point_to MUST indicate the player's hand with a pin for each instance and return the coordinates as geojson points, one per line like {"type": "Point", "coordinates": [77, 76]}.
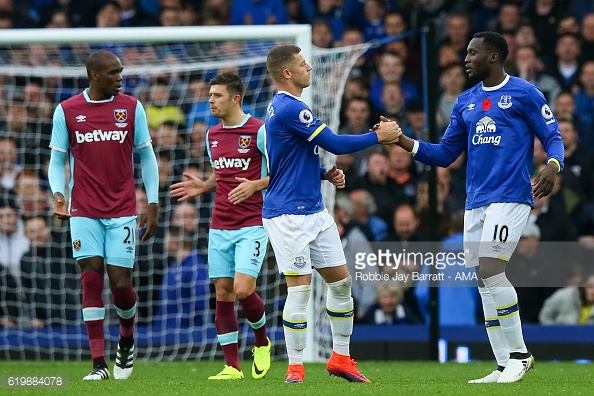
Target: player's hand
{"type": "Point", "coordinates": [388, 132]}
{"type": "Point", "coordinates": [150, 219]}
{"type": "Point", "coordinates": [335, 176]}
{"type": "Point", "coordinates": [243, 191]}
{"type": "Point", "coordinates": [192, 187]}
{"type": "Point", "coordinates": [61, 207]}
{"type": "Point", "coordinates": [545, 181]}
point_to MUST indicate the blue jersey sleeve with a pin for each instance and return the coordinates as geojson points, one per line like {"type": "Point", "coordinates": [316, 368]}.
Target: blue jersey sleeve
{"type": "Point", "coordinates": [451, 146]}
{"type": "Point", "coordinates": [302, 122]}
{"type": "Point", "coordinates": [142, 137]}
{"type": "Point", "coordinates": [59, 140]}
{"type": "Point", "coordinates": [545, 126]}
{"type": "Point", "coordinates": [55, 172]}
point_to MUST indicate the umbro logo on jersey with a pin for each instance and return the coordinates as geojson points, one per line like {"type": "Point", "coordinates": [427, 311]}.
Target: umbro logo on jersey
{"type": "Point", "coordinates": [214, 143]}
{"type": "Point", "coordinates": [470, 107]}
{"type": "Point", "coordinates": [81, 118]}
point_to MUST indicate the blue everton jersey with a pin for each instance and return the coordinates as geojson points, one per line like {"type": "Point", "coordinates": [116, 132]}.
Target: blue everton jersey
{"type": "Point", "coordinates": [497, 126]}
{"type": "Point", "coordinates": [293, 160]}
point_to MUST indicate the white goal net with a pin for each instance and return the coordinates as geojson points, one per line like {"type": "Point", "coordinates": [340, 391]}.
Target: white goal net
{"type": "Point", "coordinates": [168, 70]}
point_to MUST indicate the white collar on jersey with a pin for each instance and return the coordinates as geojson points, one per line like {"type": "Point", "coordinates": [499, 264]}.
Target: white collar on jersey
{"type": "Point", "coordinates": [286, 93]}
{"type": "Point", "coordinates": [505, 80]}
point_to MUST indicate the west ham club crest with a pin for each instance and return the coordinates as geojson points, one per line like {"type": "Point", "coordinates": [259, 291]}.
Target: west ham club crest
{"type": "Point", "coordinates": [121, 115]}
{"type": "Point", "coordinates": [244, 142]}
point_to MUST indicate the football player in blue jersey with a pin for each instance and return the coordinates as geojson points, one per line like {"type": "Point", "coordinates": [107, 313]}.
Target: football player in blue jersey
{"type": "Point", "coordinates": [302, 232]}
{"type": "Point", "coordinates": [496, 121]}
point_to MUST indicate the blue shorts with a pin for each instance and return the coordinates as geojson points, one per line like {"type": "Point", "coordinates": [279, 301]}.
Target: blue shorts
{"type": "Point", "coordinates": [231, 251]}
{"type": "Point", "coordinates": [112, 239]}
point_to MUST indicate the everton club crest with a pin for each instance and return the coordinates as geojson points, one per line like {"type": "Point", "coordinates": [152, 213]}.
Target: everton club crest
{"type": "Point", "coordinates": [505, 102]}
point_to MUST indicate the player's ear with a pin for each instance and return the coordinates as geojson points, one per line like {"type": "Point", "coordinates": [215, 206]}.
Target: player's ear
{"type": "Point", "coordinates": [286, 74]}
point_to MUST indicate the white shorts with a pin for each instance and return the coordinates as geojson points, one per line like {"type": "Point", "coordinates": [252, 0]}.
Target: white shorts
{"type": "Point", "coordinates": [303, 242]}
{"type": "Point", "coordinates": [493, 230]}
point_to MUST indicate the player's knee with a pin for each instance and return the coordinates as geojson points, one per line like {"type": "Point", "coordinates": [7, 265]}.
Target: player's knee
{"type": "Point", "coordinates": [120, 284]}
{"type": "Point", "coordinates": [341, 287]}
{"type": "Point", "coordinates": [225, 295]}
{"type": "Point", "coordinates": [243, 291]}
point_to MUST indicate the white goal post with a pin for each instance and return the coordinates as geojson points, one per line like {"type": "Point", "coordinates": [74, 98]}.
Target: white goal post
{"type": "Point", "coordinates": [330, 71]}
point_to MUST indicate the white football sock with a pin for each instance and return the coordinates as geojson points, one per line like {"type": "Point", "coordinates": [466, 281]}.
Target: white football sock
{"type": "Point", "coordinates": [339, 307]}
{"type": "Point", "coordinates": [506, 303]}
{"type": "Point", "coordinates": [494, 331]}
{"type": "Point", "coordinates": [295, 322]}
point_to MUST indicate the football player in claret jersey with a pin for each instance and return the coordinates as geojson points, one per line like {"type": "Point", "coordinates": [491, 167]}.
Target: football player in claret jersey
{"type": "Point", "coordinates": [302, 232]}
{"type": "Point", "coordinates": [100, 128]}
{"type": "Point", "coordinates": [496, 121]}
{"type": "Point", "coordinates": [237, 240]}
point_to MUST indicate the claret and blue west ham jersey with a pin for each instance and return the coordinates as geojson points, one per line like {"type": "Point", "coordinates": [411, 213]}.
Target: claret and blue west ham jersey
{"type": "Point", "coordinates": [101, 132]}
{"type": "Point", "coordinates": [294, 162]}
{"type": "Point", "coordinates": [497, 126]}
{"type": "Point", "coordinates": [236, 151]}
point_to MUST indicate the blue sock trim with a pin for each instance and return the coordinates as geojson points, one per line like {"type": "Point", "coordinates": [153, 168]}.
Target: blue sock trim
{"type": "Point", "coordinates": [258, 324]}
{"type": "Point", "coordinates": [228, 338]}
{"type": "Point", "coordinates": [126, 314]}
{"type": "Point", "coordinates": [93, 313]}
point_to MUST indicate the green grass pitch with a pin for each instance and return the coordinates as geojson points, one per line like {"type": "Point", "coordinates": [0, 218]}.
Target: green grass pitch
{"type": "Point", "coordinates": [388, 378]}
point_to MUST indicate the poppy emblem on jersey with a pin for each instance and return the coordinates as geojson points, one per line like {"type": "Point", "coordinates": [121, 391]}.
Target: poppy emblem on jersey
{"type": "Point", "coordinates": [299, 262]}
{"type": "Point", "coordinates": [505, 102]}
{"type": "Point", "coordinates": [76, 244]}
{"type": "Point", "coordinates": [121, 115]}
{"type": "Point", "coordinates": [487, 104]}
{"type": "Point", "coordinates": [244, 142]}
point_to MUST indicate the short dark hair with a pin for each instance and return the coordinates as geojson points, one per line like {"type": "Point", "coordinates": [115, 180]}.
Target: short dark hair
{"type": "Point", "coordinates": [495, 42]}
{"type": "Point", "coordinates": [232, 82]}
{"type": "Point", "coordinates": [96, 61]}
{"type": "Point", "coordinates": [279, 57]}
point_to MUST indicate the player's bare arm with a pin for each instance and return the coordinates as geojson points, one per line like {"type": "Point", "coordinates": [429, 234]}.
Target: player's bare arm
{"type": "Point", "coordinates": [545, 181]}
{"type": "Point", "coordinates": [335, 176]}
{"type": "Point", "coordinates": [388, 132]}
{"type": "Point", "coordinates": [193, 187]}
{"type": "Point", "coordinates": [61, 207]}
{"type": "Point", "coordinates": [247, 188]}
{"type": "Point", "coordinates": [149, 218]}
